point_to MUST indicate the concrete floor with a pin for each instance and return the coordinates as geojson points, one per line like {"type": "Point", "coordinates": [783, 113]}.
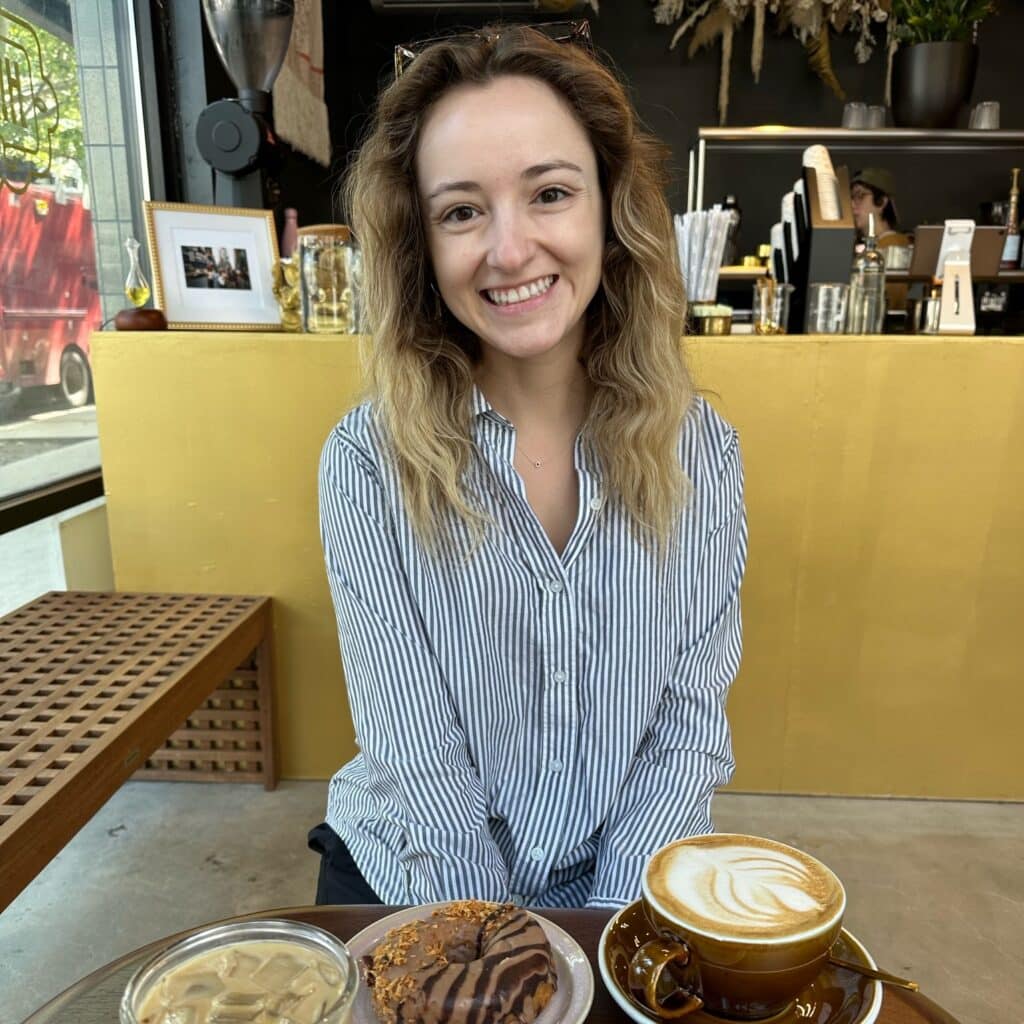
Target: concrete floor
{"type": "Point", "coordinates": [935, 890]}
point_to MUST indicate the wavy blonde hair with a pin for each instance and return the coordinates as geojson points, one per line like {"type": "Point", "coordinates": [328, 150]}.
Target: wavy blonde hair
{"type": "Point", "coordinates": [421, 361]}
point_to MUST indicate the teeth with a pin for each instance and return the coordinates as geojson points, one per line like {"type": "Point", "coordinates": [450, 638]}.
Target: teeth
{"type": "Point", "coordinates": [506, 296]}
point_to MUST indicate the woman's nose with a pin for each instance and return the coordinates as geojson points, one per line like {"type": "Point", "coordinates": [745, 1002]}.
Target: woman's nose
{"type": "Point", "coordinates": [510, 242]}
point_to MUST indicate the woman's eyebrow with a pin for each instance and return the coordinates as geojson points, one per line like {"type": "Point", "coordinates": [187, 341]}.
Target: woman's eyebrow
{"type": "Point", "coordinates": [551, 165]}
{"type": "Point", "coordinates": [531, 172]}
{"type": "Point", "coordinates": [454, 186]}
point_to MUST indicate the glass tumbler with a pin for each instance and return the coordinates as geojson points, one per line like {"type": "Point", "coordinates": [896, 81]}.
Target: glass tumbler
{"type": "Point", "coordinates": [855, 115]}
{"type": "Point", "coordinates": [826, 308]}
{"type": "Point", "coordinates": [328, 274]}
{"type": "Point", "coordinates": [229, 969]}
{"type": "Point", "coordinates": [985, 116]}
{"type": "Point", "coordinates": [771, 306]}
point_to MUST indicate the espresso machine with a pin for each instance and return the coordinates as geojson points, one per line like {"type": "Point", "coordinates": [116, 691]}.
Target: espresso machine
{"type": "Point", "coordinates": [236, 136]}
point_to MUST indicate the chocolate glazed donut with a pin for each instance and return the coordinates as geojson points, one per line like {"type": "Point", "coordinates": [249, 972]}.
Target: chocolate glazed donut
{"type": "Point", "coordinates": [469, 963]}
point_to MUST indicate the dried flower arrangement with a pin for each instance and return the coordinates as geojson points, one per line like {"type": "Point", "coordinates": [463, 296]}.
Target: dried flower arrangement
{"type": "Point", "coordinates": [811, 21]}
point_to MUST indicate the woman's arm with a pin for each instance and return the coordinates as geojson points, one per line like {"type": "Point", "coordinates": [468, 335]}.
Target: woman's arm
{"type": "Point", "coordinates": [413, 745]}
{"type": "Point", "coordinates": [686, 753]}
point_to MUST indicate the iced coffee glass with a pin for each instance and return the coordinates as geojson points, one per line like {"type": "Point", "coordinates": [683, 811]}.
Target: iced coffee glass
{"type": "Point", "coordinates": [251, 972]}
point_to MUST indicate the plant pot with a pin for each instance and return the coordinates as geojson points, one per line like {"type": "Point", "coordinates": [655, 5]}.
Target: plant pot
{"type": "Point", "coordinates": [931, 82]}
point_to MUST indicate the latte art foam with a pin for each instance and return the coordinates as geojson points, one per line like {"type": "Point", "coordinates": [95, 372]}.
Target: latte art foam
{"type": "Point", "coordinates": [742, 886]}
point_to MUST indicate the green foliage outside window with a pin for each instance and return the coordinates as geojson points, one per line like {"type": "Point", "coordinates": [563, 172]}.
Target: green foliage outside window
{"type": "Point", "coordinates": [60, 65]}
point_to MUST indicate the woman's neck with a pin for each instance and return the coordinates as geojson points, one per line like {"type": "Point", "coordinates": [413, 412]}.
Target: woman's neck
{"type": "Point", "coordinates": [539, 398]}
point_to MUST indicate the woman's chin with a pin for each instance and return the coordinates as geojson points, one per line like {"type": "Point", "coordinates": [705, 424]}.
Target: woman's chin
{"type": "Point", "coordinates": [530, 344]}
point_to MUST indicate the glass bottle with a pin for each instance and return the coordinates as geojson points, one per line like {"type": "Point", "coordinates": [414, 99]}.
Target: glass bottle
{"type": "Point", "coordinates": [730, 254]}
{"type": "Point", "coordinates": [1011, 247]}
{"type": "Point", "coordinates": [290, 233]}
{"type": "Point", "coordinates": [865, 310]}
{"type": "Point", "coordinates": [136, 287]}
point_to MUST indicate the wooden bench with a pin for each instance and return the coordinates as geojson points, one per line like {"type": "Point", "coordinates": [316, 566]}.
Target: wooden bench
{"type": "Point", "coordinates": [92, 684]}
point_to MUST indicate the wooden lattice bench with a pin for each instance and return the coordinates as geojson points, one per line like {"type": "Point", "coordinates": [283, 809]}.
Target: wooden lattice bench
{"type": "Point", "coordinates": [96, 687]}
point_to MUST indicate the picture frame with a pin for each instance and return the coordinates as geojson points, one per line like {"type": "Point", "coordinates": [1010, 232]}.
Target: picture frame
{"type": "Point", "coordinates": [212, 266]}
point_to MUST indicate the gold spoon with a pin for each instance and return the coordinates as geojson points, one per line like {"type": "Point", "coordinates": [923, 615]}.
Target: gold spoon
{"type": "Point", "coordinates": [871, 972]}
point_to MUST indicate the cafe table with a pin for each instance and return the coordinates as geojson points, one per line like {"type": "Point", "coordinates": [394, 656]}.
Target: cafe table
{"type": "Point", "coordinates": [95, 999]}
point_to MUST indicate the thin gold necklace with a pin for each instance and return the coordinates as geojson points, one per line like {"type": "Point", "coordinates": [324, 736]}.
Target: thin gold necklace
{"type": "Point", "coordinates": [536, 463]}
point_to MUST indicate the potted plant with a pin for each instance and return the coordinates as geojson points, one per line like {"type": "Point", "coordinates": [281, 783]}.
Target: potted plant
{"type": "Point", "coordinates": [934, 68]}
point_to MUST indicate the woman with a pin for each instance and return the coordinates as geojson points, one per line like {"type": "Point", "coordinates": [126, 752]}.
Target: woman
{"type": "Point", "coordinates": [534, 532]}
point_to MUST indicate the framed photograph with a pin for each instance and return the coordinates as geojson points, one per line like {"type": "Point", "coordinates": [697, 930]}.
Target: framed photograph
{"type": "Point", "coordinates": [212, 266]}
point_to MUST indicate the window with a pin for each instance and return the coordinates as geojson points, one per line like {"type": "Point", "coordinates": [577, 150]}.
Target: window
{"type": "Point", "coordinates": [71, 191]}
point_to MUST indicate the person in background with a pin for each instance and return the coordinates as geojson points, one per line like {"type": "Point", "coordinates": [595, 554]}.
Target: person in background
{"type": "Point", "coordinates": [534, 528]}
{"type": "Point", "coordinates": [872, 191]}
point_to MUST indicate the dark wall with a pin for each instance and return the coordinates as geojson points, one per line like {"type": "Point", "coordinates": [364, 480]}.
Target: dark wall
{"type": "Point", "coordinates": [674, 96]}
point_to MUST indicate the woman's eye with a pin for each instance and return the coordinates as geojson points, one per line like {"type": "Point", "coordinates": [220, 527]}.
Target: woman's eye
{"type": "Point", "coordinates": [459, 214]}
{"type": "Point", "coordinates": [552, 194]}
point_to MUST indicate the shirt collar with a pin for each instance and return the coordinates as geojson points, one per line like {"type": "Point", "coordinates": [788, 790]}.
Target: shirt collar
{"type": "Point", "coordinates": [482, 409]}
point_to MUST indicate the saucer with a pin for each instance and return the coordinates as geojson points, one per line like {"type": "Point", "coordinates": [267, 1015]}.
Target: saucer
{"type": "Point", "coordinates": [836, 995]}
{"type": "Point", "coordinates": [569, 1005]}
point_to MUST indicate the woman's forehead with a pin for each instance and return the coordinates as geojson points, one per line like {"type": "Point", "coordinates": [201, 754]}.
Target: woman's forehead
{"type": "Point", "coordinates": [509, 123]}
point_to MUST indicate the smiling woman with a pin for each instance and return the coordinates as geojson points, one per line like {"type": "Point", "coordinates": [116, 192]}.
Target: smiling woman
{"type": "Point", "coordinates": [534, 532]}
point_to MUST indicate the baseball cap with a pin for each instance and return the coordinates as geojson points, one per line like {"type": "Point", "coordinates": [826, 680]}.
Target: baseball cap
{"type": "Point", "coordinates": [876, 177]}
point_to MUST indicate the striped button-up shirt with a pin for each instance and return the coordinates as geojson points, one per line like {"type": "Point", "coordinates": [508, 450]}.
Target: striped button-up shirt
{"type": "Point", "coordinates": [531, 726]}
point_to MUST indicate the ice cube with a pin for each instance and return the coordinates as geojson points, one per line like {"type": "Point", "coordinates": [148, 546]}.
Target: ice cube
{"type": "Point", "coordinates": [234, 964]}
{"type": "Point", "coordinates": [310, 1010]}
{"type": "Point", "coordinates": [179, 1015]}
{"type": "Point", "coordinates": [234, 1014]}
{"type": "Point", "coordinates": [330, 973]}
{"type": "Point", "coordinates": [277, 972]}
{"type": "Point", "coordinates": [189, 986]}
{"type": "Point", "coordinates": [281, 1004]}
{"type": "Point", "coordinates": [306, 983]}
{"type": "Point", "coordinates": [240, 997]}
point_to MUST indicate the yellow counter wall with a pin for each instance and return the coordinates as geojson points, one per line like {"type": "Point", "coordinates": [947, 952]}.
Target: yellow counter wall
{"type": "Point", "coordinates": [884, 599]}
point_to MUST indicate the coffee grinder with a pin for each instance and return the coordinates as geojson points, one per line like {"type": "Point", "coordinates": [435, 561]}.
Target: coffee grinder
{"type": "Point", "coordinates": [235, 136]}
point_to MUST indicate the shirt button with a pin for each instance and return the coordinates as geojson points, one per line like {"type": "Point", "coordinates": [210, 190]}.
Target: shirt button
{"type": "Point", "coordinates": [596, 503]}
{"type": "Point", "coordinates": [537, 853]}
{"type": "Point", "coordinates": [559, 676]}
{"type": "Point", "coordinates": [555, 766]}
{"type": "Point", "coordinates": [517, 898]}
{"type": "Point", "coordinates": [555, 586]}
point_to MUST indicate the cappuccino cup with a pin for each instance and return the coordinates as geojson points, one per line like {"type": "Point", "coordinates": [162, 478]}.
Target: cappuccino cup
{"type": "Point", "coordinates": [743, 924]}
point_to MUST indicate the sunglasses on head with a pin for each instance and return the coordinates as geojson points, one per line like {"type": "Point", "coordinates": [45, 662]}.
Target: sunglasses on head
{"type": "Point", "coordinates": [575, 32]}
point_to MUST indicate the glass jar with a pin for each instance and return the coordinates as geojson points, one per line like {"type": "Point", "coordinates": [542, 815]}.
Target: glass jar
{"type": "Point", "coordinates": [328, 272]}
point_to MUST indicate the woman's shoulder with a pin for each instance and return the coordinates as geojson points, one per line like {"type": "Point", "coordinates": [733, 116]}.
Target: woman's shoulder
{"type": "Point", "coordinates": [707, 441]}
{"type": "Point", "coordinates": [354, 442]}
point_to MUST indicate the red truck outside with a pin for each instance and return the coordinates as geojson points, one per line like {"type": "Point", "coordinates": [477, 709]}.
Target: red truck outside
{"type": "Point", "coordinates": [49, 298]}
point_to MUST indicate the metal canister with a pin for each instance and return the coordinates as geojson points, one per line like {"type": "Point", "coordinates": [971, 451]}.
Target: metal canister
{"type": "Point", "coordinates": [329, 287]}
